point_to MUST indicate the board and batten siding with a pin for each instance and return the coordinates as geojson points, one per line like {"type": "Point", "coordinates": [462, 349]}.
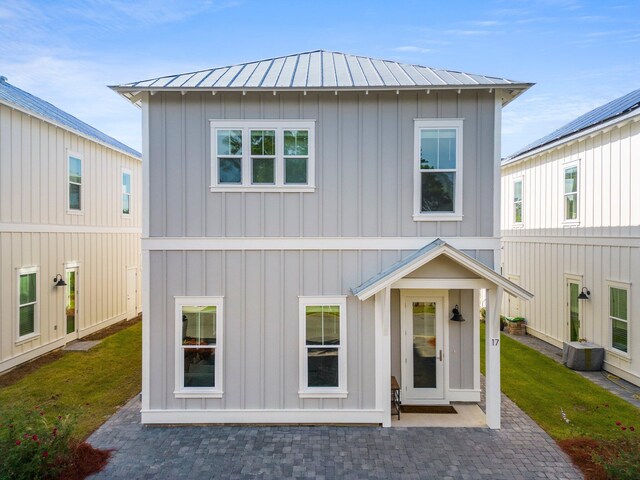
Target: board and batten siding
{"type": "Point", "coordinates": [602, 246]}
{"type": "Point", "coordinates": [37, 231]}
{"type": "Point", "coordinates": [364, 165]}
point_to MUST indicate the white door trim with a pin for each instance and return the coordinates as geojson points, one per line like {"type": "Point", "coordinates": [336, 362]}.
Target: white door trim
{"type": "Point", "coordinates": [69, 337]}
{"type": "Point", "coordinates": [573, 278]}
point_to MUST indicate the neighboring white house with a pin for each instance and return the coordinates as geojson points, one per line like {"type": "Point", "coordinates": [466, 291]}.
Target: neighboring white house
{"type": "Point", "coordinates": [70, 200]}
{"type": "Point", "coordinates": [571, 224]}
{"type": "Point", "coordinates": [310, 223]}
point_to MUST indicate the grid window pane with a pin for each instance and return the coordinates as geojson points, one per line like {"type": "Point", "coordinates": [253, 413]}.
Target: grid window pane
{"type": "Point", "coordinates": [295, 170]}
{"type": "Point", "coordinates": [199, 367]}
{"type": "Point", "coordinates": [27, 320]}
{"type": "Point", "coordinates": [619, 335]}
{"type": "Point", "coordinates": [230, 170]}
{"type": "Point", "coordinates": [126, 183]}
{"type": "Point", "coordinates": [518, 212]}
{"type": "Point", "coordinates": [263, 142]}
{"type": "Point", "coordinates": [296, 142]}
{"type": "Point", "coordinates": [618, 303]}
{"type": "Point", "coordinates": [322, 367]}
{"type": "Point", "coordinates": [263, 170]}
{"type": "Point", "coordinates": [199, 325]}
{"type": "Point", "coordinates": [438, 149]}
{"type": "Point", "coordinates": [27, 288]}
{"type": "Point", "coordinates": [571, 180]}
{"type": "Point", "coordinates": [323, 325]}
{"type": "Point", "coordinates": [75, 170]}
{"type": "Point", "coordinates": [125, 204]}
{"type": "Point", "coordinates": [517, 192]}
{"type": "Point", "coordinates": [74, 196]}
{"type": "Point", "coordinates": [229, 142]}
{"type": "Point", "coordinates": [438, 190]}
{"type": "Point", "coordinates": [571, 207]}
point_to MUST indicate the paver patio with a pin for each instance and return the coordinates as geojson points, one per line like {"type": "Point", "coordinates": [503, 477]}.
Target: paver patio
{"type": "Point", "coordinates": [520, 449]}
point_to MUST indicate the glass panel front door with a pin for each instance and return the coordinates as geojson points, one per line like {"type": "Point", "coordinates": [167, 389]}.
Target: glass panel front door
{"type": "Point", "coordinates": [424, 344]}
{"type": "Point", "coordinates": [71, 304]}
{"type": "Point", "coordinates": [574, 312]}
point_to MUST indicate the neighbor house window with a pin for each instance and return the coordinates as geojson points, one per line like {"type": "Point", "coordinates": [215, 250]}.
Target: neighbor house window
{"type": "Point", "coordinates": [571, 193]}
{"type": "Point", "coordinates": [619, 318]}
{"type": "Point", "coordinates": [27, 302]}
{"type": "Point", "coordinates": [517, 201]}
{"type": "Point", "coordinates": [199, 346]}
{"type": "Point", "coordinates": [262, 155]}
{"type": "Point", "coordinates": [438, 170]}
{"type": "Point", "coordinates": [74, 166]}
{"type": "Point", "coordinates": [126, 192]}
{"type": "Point", "coordinates": [323, 365]}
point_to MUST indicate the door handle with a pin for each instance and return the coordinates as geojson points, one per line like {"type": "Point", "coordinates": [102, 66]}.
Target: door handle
{"type": "Point", "coordinates": [440, 355]}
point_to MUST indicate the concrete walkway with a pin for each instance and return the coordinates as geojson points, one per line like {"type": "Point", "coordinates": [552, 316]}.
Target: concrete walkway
{"type": "Point", "coordinates": [606, 380]}
{"type": "Point", "coordinates": [520, 450]}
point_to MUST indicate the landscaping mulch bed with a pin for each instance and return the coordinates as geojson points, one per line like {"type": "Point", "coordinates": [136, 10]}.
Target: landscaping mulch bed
{"type": "Point", "coordinates": [580, 451]}
{"type": "Point", "coordinates": [86, 461]}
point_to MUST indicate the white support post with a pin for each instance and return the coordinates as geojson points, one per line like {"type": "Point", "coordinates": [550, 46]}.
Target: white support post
{"type": "Point", "coordinates": [492, 351]}
{"type": "Point", "coordinates": [383, 354]}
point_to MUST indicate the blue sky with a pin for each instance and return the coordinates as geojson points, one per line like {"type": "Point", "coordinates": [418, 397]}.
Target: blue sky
{"type": "Point", "coordinates": [580, 54]}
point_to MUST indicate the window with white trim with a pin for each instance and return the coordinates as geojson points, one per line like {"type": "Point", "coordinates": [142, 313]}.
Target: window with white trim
{"type": "Point", "coordinates": [571, 193]}
{"type": "Point", "coordinates": [199, 346]}
{"type": "Point", "coordinates": [438, 170]}
{"type": "Point", "coordinates": [126, 192]}
{"type": "Point", "coordinates": [323, 362]}
{"type": "Point", "coordinates": [619, 317]}
{"type": "Point", "coordinates": [27, 302]}
{"type": "Point", "coordinates": [517, 201]}
{"type": "Point", "coordinates": [263, 155]}
{"type": "Point", "coordinates": [74, 173]}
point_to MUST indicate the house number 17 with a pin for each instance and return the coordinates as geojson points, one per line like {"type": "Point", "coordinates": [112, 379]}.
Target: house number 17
{"type": "Point", "coordinates": [495, 341]}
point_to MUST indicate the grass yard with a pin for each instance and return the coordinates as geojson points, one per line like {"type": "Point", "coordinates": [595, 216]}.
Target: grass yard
{"type": "Point", "coordinates": [90, 386]}
{"type": "Point", "coordinates": [544, 389]}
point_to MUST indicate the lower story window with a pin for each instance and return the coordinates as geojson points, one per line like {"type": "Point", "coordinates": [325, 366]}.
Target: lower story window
{"type": "Point", "coordinates": [323, 345]}
{"type": "Point", "coordinates": [27, 302]}
{"type": "Point", "coordinates": [618, 317]}
{"type": "Point", "coordinates": [199, 341]}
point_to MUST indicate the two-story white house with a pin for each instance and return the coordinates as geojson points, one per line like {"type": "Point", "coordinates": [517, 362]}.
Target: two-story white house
{"type": "Point", "coordinates": [571, 228]}
{"type": "Point", "coordinates": [70, 222]}
{"type": "Point", "coordinates": [311, 222]}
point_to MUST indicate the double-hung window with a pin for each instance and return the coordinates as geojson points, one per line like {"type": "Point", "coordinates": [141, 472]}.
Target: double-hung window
{"type": "Point", "coordinates": [619, 317]}
{"type": "Point", "coordinates": [571, 193]}
{"type": "Point", "coordinates": [517, 201]}
{"type": "Point", "coordinates": [74, 177]}
{"type": "Point", "coordinates": [199, 347]}
{"type": "Point", "coordinates": [263, 155]}
{"type": "Point", "coordinates": [27, 302]}
{"type": "Point", "coordinates": [438, 170]}
{"type": "Point", "coordinates": [126, 192]}
{"type": "Point", "coordinates": [323, 355]}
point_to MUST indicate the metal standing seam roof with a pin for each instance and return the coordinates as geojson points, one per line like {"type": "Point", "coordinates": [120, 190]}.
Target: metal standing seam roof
{"type": "Point", "coordinates": [15, 97]}
{"type": "Point", "coordinates": [613, 109]}
{"type": "Point", "coordinates": [318, 70]}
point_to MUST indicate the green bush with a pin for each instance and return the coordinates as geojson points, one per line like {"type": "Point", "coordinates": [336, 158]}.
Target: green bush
{"type": "Point", "coordinates": [483, 314]}
{"type": "Point", "coordinates": [32, 447]}
{"type": "Point", "coordinates": [517, 319]}
{"type": "Point", "coordinates": [622, 461]}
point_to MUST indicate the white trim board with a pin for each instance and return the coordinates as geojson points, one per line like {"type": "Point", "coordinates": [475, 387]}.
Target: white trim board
{"type": "Point", "coordinates": [313, 243]}
{"type": "Point", "coordinates": [44, 228]}
{"type": "Point", "coordinates": [576, 240]}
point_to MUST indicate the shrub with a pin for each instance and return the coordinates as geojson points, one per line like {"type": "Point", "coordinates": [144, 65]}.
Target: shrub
{"type": "Point", "coordinates": [483, 314]}
{"type": "Point", "coordinates": [32, 447]}
{"type": "Point", "coordinates": [517, 319]}
{"type": "Point", "coordinates": [621, 457]}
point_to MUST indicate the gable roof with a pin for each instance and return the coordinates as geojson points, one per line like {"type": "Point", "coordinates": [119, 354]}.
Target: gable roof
{"type": "Point", "coordinates": [614, 109]}
{"type": "Point", "coordinates": [19, 99]}
{"type": "Point", "coordinates": [319, 70]}
{"type": "Point", "coordinates": [423, 256]}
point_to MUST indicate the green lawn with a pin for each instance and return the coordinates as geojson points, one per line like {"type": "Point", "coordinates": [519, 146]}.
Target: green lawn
{"type": "Point", "coordinates": [88, 385]}
{"type": "Point", "coordinates": [542, 387]}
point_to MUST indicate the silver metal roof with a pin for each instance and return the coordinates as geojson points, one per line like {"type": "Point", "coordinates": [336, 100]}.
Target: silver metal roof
{"type": "Point", "coordinates": [620, 106]}
{"type": "Point", "coordinates": [319, 70]}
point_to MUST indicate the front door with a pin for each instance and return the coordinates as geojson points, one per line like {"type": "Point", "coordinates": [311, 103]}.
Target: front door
{"type": "Point", "coordinates": [423, 350]}
{"type": "Point", "coordinates": [71, 304]}
{"type": "Point", "coordinates": [573, 309]}
{"type": "Point", "coordinates": [132, 292]}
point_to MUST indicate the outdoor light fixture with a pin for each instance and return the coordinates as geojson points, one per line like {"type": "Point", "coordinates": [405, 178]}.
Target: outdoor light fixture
{"type": "Point", "coordinates": [583, 295]}
{"type": "Point", "coordinates": [59, 282]}
{"type": "Point", "coordinates": [457, 316]}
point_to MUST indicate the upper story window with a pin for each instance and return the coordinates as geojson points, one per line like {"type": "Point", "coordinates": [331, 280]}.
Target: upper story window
{"type": "Point", "coordinates": [27, 302]}
{"type": "Point", "coordinates": [126, 192]}
{"type": "Point", "coordinates": [438, 170]}
{"type": "Point", "coordinates": [74, 173]}
{"type": "Point", "coordinates": [517, 201]}
{"type": "Point", "coordinates": [571, 193]}
{"type": "Point", "coordinates": [619, 317]}
{"type": "Point", "coordinates": [263, 155]}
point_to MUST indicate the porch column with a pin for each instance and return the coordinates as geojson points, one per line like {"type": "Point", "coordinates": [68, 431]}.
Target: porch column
{"type": "Point", "coordinates": [383, 354]}
{"type": "Point", "coordinates": [492, 349]}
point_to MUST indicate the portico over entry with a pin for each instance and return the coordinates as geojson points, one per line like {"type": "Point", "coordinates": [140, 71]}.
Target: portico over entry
{"type": "Point", "coordinates": [435, 358]}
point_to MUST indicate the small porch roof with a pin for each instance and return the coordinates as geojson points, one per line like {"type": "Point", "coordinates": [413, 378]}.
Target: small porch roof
{"type": "Point", "coordinates": [428, 253]}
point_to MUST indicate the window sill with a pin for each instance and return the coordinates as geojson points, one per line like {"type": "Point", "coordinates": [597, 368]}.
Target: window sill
{"type": "Point", "coordinates": [75, 212]}
{"type": "Point", "coordinates": [26, 338]}
{"type": "Point", "coordinates": [570, 223]}
{"type": "Point", "coordinates": [438, 217]}
{"type": "Point", "coordinates": [263, 189]}
{"type": "Point", "coordinates": [619, 354]}
{"type": "Point", "coordinates": [322, 394]}
{"type": "Point", "coordinates": [517, 225]}
{"type": "Point", "coordinates": [203, 394]}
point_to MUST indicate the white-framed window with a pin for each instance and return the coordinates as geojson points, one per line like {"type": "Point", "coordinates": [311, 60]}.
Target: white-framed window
{"type": "Point", "coordinates": [28, 309]}
{"type": "Point", "coordinates": [263, 155]}
{"type": "Point", "coordinates": [74, 179]}
{"type": "Point", "coordinates": [570, 200]}
{"type": "Point", "coordinates": [619, 309]}
{"type": "Point", "coordinates": [517, 201]}
{"type": "Point", "coordinates": [323, 352]}
{"type": "Point", "coordinates": [199, 322]}
{"type": "Point", "coordinates": [126, 191]}
{"type": "Point", "coordinates": [438, 170]}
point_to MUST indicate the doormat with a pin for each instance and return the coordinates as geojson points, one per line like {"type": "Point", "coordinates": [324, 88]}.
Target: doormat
{"type": "Point", "coordinates": [427, 409]}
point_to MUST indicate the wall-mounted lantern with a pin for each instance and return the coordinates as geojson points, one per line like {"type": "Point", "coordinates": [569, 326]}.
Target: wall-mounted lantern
{"type": "Point", "coordinates": [59, 282]}
{"type": "Point", "coordinates": [584, 294]}
{"type": "Point", "coordinates": [456, 315]}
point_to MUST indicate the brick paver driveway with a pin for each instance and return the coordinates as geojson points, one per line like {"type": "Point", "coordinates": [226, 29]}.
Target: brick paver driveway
{"type": "Point", "coordinates": [520, 450]}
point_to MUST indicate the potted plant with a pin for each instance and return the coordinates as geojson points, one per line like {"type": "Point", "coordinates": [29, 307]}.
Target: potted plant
{"type": "Point", "coordinates": [516, 325]}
